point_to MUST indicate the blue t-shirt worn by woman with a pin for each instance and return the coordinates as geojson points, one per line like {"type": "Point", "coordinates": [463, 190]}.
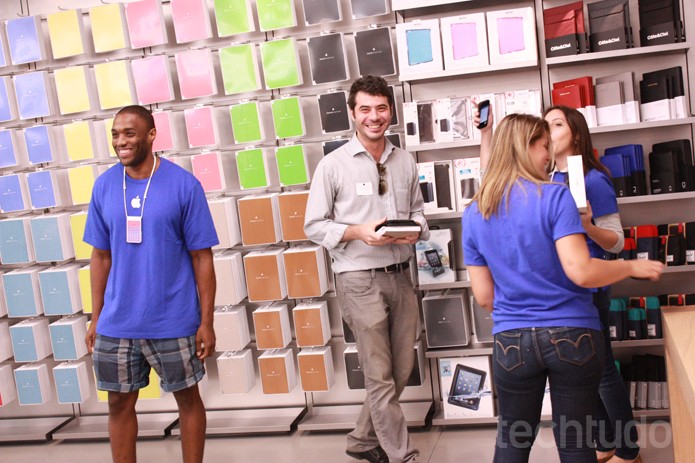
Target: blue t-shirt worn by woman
{"type": "Point", "coordinates": [601, 196]}
{"type": "Point", "coordinates": [151, 291]}
{"type": "Point", "coordinates": [518, 246]}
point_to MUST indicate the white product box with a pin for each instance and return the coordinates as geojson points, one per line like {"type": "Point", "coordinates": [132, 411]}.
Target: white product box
{"type": "Point", "coordinates": [226, 220]}
{"type": "Point", "coordinates": [575, 174]}
{"type": "Point", "coordinates": [231, 327]}
{"type": "Point", "coordinates": [235, 372]}
{"type": "Point", "coordinates": [443, 124]}
{"type": "Point", "coordinates": [229, 273]}
{"type": "Point", "coordinates": [419, 47]}
{"type": "Point", "coordinates": [8, 389]}
{"type": "Point", "coordinates": [464, 41]}
{"type": "Point", "coordinates": [512, 35]}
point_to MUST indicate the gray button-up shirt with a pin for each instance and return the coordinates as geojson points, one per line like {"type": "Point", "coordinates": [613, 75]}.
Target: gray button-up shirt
{"type": "Point", "coordinates": [345, 191]}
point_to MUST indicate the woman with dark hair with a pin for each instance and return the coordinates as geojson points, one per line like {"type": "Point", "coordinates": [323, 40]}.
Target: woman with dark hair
{"type": "Point", "coordinates": [616, 434]}
{"type": "Point", "coordinates": [526, 253]}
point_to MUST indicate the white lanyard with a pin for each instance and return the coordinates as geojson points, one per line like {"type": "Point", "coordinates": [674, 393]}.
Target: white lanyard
{"type": "Point", "coordinates": [142, 209]}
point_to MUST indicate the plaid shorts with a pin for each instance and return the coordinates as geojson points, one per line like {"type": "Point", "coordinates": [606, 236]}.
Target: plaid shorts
{"type": "Point", "coordinates": [123, 365]}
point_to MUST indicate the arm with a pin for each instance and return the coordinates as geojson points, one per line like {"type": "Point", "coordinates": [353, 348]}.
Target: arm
{"type": "Point", "coordinates": [483, 286]}
{"type": "Point", "coordinates": [320, 226]}
{"type": "Point", "coordinates": [100, 266]}
{"type": "Point", "coordinates": [607, 230]}
{"type": "Point", "coordinates": [204, 272]}
{"type": "Point", "coordinates": [485, 138]}
{"type": "Point", "coordinates": [587, 272]}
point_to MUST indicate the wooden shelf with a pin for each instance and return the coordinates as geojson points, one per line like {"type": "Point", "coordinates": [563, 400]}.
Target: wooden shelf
{"type": "Point", "coordinates": [583, 58]}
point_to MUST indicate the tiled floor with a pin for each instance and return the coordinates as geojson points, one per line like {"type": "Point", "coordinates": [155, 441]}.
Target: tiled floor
{"type": "Point", "coordinates": [436, 444]}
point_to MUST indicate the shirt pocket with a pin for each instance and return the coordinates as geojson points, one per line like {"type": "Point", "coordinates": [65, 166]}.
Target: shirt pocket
{"type": "Point", "coordinates": [402, 198]}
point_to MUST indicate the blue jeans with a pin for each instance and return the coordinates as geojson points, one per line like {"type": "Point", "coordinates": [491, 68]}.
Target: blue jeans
{"type": "Point", "coordinates": [572, 360]}
{"type": "Point", "coordinates": [616, 427]}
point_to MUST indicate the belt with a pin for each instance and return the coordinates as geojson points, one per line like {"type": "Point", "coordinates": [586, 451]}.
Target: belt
{"type": "Point", "coordinates": [393, 268]}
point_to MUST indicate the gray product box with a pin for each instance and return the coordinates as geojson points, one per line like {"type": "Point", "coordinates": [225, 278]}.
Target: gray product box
{"type": "Point", "coordinates": [446, 318]}
{"type": "Point", "coordinates": [482, 323]}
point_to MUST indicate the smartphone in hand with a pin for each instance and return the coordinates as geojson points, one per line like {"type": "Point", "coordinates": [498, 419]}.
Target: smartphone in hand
{"type": "Point", "coordinates": [484, 111]}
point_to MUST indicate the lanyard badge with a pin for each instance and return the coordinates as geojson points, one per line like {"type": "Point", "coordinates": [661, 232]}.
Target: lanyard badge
{"type": "Point", "coordinates": [133, 229]}
{"type": "Point", "coordinates": [133, 223]}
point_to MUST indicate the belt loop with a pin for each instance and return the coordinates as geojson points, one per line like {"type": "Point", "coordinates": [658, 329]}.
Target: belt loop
{"type": "Point", "coordinates": [373, 272]}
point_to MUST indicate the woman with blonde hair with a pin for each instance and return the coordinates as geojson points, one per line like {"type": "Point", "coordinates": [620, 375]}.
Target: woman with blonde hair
{"type": "Point", "coordinates": [526, 253]}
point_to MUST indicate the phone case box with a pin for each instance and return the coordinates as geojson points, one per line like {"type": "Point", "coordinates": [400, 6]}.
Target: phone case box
{"type": "Point", "coordinates": [440, 241]}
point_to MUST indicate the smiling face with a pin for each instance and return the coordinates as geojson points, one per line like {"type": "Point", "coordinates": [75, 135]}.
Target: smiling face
{"type": "Point", "coordinates": [131, 139]}
{"type": "Point", "coordinates": [564, 142]}
{"type": "Point", "coordinates": [372, 115]}
{"type": "Point", "coordinates": [539, 154]}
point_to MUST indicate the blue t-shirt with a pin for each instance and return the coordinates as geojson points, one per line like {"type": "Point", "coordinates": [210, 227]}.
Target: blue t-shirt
{"type": "Point", "coordinates": [151, 291]}
{"type": "Point", "coordinates": [518, 246]}
{"type": "Point", "coordinates": [601, 195]}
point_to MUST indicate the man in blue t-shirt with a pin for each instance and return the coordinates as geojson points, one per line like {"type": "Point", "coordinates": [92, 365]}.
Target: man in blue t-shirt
{"type": "Point", "coordinates": [153, 284]}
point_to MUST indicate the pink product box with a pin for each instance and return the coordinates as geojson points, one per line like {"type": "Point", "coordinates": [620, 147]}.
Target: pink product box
{"type": "Point", "coordinates": [191, 20]}
{"type": "Point", "coordinates": [152, 79]}
{"type": "Point", "coordinates": [145, 26]}
{"type": "Point", "coordinates": [200, 126]}
{"type": "Point", "coordinates": [196, 77]}
{"type": "Point", "coordinates": [207, 167]}
{"type": "Point", "coordinates": [164, 140]}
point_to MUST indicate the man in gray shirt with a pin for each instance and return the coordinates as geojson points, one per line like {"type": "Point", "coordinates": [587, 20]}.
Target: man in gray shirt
{"type": "Point", "coordinates": [354, 189]}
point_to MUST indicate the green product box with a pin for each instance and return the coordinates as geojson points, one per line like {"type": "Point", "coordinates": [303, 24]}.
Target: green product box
{"type": "Point", "coordinates": [233, 17]}
{"type": "Point", "coordinates": [252, 169]}
{"type": "Point", "coordinates": [292, 166]}
{"type": "Point", "coordinates": [287, 117]}
{"type": "Point", "coordinates": [275, 14]}
{"type": "Point", "coordinates": [246, 123]}
{"type": "Point", "coordinates": [239, 69]}
{"type": "Point", "coordinates": [280, 64]}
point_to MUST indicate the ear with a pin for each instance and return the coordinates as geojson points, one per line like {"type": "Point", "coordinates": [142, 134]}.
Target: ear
{"type": "Point", "coordinates": [352, 114]}
{"type": "Point", "coordinates": [152, 134]}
